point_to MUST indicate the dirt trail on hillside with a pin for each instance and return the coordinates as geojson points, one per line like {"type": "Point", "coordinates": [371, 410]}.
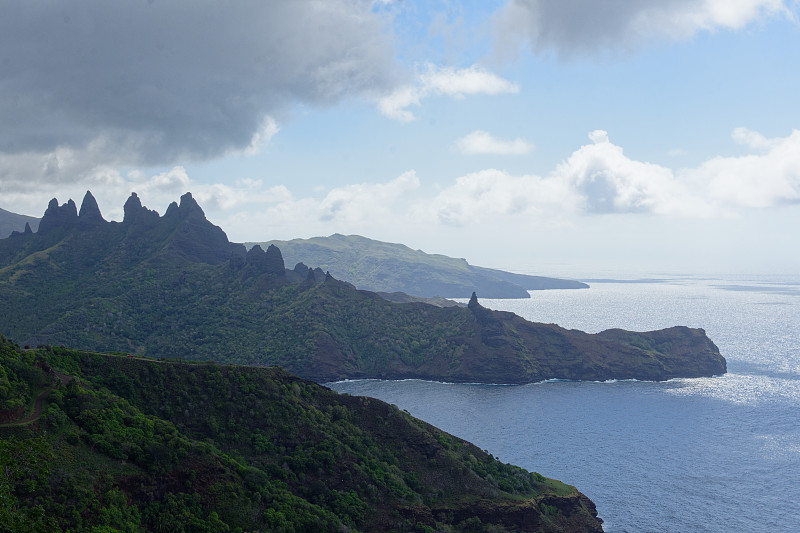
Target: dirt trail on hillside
{"type": "Point", "coordinates": [38, 403]}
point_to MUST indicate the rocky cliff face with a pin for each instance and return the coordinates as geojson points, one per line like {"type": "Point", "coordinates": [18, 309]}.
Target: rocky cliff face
{"type": "Point", "coordinates": [269, 262]}
{"type": "Point", "coordinates": [90, 211]}
{"type": "Point", "coordinates": [58, 217]}
{"type": "Point", "coordinates": [184, 227]}
{"type": "Point", "coordinates": [137, 215]}
{"type": "Point", "coordinates": [196, 237]}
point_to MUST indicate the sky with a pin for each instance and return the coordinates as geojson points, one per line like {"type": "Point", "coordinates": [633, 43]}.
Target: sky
{"type": "Point", "coordinates": [558, 137]}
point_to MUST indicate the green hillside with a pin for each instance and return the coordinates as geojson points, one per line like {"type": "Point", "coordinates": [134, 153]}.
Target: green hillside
{"type": "Point", "coordinates": [130, 444]}
{"type": "Point", "coordinates": [388, 267]}
{"type": "Point", "coordinates": [173, 286]}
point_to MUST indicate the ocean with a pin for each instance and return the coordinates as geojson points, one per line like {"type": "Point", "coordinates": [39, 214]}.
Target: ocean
{"type": "Point", "coordinates": [717, 454]}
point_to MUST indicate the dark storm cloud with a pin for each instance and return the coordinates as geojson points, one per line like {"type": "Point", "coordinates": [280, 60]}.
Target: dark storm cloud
{"type": "Point", "coordinates": [569, 27]}
{"type": "Point", "coordinates": [162, 80]}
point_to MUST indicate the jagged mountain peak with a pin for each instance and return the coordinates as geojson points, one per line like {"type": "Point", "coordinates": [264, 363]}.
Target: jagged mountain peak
{"type": "Point", "coordinates": [135, 213]}
{"type": "Point", "coordinates": [189, 206]}
{"type": "Point", "coordinates": [473, 301]}
{"type": "Point", "coordinates": [184, 228]}
{"type": "Point", "coordinates": [132, 204]}
{"type": "Point", "coordinates": [90, 211]}
{"type": "Point", "coordinates": [270, 261]}
{"type": "Point", "coordinates": [58, 216]}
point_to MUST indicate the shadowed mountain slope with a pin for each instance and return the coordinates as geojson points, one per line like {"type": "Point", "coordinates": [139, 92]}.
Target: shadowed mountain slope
{"type": "Point", "coordinates": [128, 444]}
{"type": "Point", "coordinates": [173, 286]}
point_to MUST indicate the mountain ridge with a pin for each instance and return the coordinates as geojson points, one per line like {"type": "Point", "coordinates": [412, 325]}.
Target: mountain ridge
{"type": "Point", "coordinates": [174, 286]}
{"type": "Point", "coordinates": [133, 444]}
{"type": "Point", "coordinates": [392, 267]}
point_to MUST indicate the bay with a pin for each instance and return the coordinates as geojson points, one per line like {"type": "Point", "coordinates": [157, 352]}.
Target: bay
{"type": "Point", "coordinates": [712, 454]}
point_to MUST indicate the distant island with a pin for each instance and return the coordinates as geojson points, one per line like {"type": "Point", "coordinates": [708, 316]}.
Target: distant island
{"type": "Point", "coordinates": [173, 286]}
{"type": "Point", "coordinates": [102, 442]}
{"type": "Point", "coordinates": [387, 267]}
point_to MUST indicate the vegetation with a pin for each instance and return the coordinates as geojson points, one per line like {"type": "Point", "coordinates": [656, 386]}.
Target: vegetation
{"type": "Point", "coordinates": [173, 286]}
{"type": "Point", "coordinates": [131, 444]}
{"type": "Point", "coordinates": [387, 267]}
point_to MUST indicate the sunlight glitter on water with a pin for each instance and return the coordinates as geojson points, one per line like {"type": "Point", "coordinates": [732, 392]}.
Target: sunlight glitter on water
{"type": "Point", "coordinates": [654, 456]}
{"type": "Point", "coordinates": [740, 388]}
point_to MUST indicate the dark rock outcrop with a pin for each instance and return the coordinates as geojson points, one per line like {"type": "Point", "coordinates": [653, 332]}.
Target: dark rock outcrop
{"type": "Point", "coordinates": [300, 269]}
{"type": "Point", "coordinates": [274, 261]}
{"type": "Point", "coordinates": [90, 215]}
{"type": "Point", "coordinates": [136, 214]}
{"type": "Point", "coordinates": [58, 217]}
{"type": "Point", "coordinates": [172, 210]}
{"type": "Point", "coordinates": [311, 276]}
{"type": "Point", "coordinates": [257, 258]}
{"type": "Point", "coordinates": [196, 237]}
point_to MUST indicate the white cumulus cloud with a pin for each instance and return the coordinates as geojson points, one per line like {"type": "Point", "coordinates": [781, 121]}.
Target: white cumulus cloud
{"type": "Point", "coordinates": [482, 142]}
{"type": "Point", "coordinates": [492, 193]}
{"type": "Point", "coordinates": [364, 202]}
{"type": "Point", "coordinates": [599, 178]}
{"type": "Point", "coordinates": [762, 180]}
{"type": "Point", "coordinates": [443, 81]}
{"type": "Point", "coordinates": [753, 139]}
{"type": "Point", "coordinates": [608, 181]}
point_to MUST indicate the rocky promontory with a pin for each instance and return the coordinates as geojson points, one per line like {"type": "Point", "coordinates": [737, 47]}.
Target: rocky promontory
{"type": "Point", "coordinates": [173, 286]}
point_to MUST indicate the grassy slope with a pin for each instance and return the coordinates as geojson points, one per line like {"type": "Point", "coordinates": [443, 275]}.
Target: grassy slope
{"type": "Point", "coordinates": [106, 290]}
{"type": "Point", "coordinates": [389, 267]}
{"type": "Point", "coordinates": [139, 444]}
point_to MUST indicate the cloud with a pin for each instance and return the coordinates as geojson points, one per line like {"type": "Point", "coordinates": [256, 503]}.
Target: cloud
{"type": "Point", "coordinates": [442, 81]}
{"type": "Point", "coordinates": [482, 142]}
{"type": "Point", "coordinates": [599, 179]}
{"type": "Point", "coordinates": [596, 179]}
{"type": "Point", "coordinates": [753, 139]}
{"type": "Point", "coordinates": [364, 202]}
{"type": "Point", "coordinates": [262, 137]}
{"type": "Point", "coordinates": [490, 193]}
{"type": "Point", "coordinates": [372, 207]}
{"type": "Point", "coordinates": [610, 182]}
{"type": "Point", "coordinates": [766, 180]}
{"type": "Point", "coordinates": [568, 27]}
{"type": "Point", "coordinates": [157, 82]}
